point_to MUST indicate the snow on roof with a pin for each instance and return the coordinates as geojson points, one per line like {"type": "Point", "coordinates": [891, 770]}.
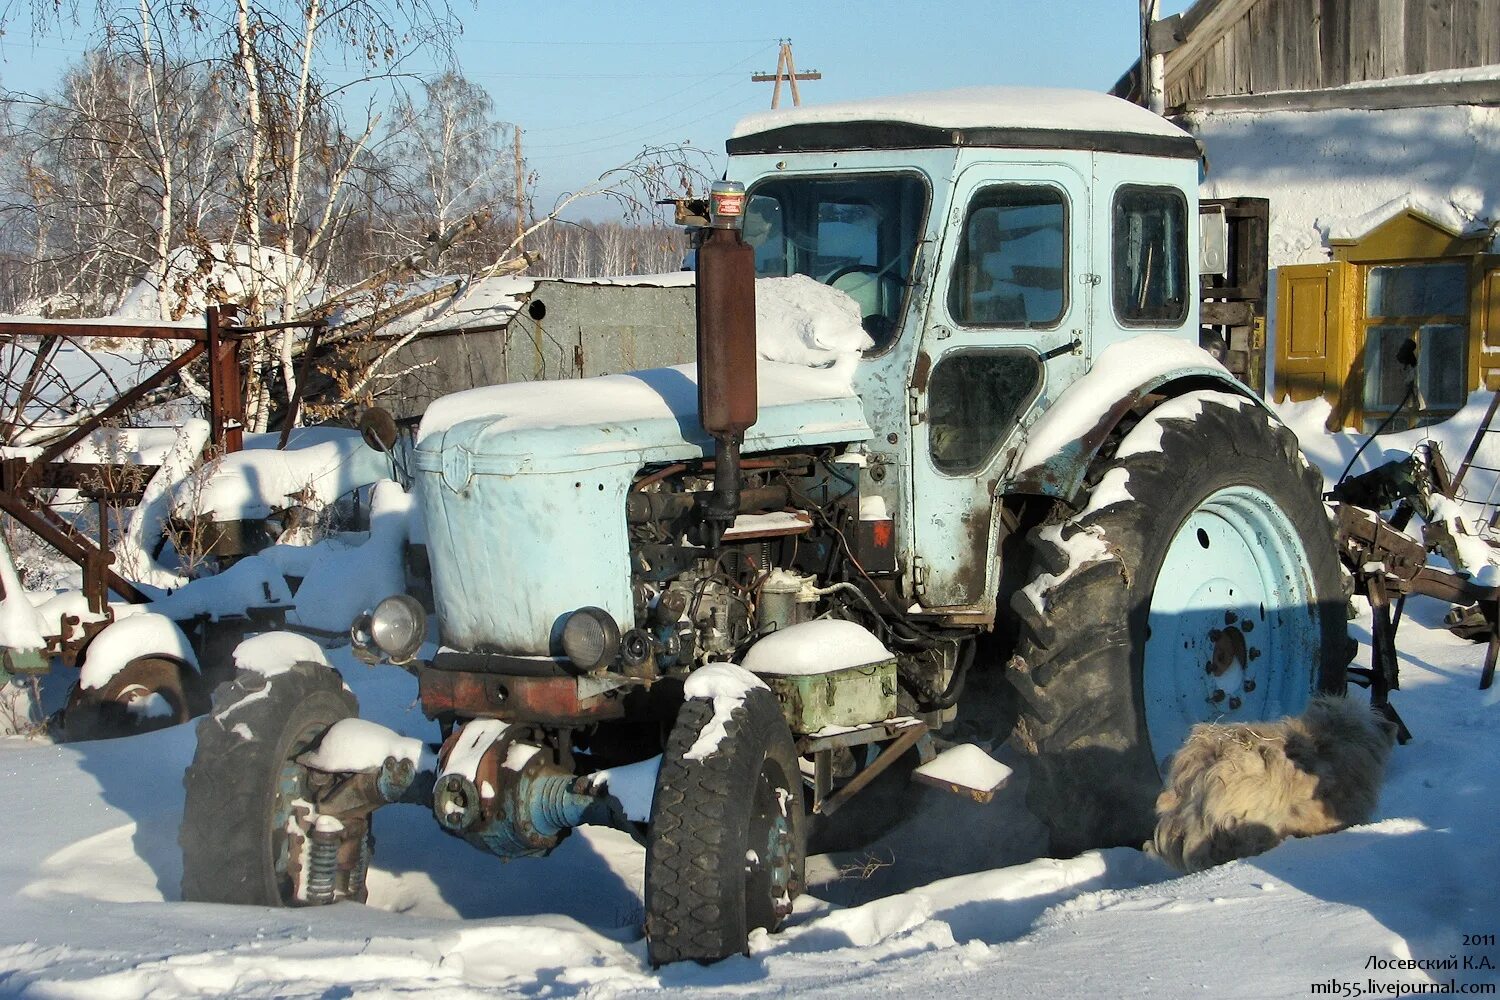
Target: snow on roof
{"type": "Point", "coordinates": [483, 302]}
{"type": "Point", "coordinates": [978, 107]}
{"type": "Point", "coordinates": [1439, 211]}
{"type": "Point", "coordinates": [1328, 172]}
{"type": "Point", "coordinates": [1465, 74]}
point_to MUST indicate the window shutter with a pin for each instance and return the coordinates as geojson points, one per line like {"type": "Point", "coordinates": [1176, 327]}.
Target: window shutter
{"type": "Point", "coordinates": [1310, 350]}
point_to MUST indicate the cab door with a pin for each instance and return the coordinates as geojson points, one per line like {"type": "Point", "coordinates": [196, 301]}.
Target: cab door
{"type": "Point", "coordinates": [1007, 323]}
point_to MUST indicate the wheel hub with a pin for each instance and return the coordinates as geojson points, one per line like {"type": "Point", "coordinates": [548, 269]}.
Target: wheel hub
{"type": "Point", "coordinates": [1232, 621]}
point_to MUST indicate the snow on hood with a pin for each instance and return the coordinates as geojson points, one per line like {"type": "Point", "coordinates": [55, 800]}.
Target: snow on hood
{"type": "Point", "coordinates": [979, 107]}
{"type": "Point", "coordinates": [808, 335]}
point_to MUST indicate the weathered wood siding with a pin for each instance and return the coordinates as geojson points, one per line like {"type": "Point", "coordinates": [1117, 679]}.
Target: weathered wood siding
{"type": "Point", "coordinates": [1312, 44]}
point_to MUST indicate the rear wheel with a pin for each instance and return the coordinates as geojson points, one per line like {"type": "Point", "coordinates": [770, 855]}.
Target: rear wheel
{"type": "Point", "coordinates": [1199, 583]}
{"type": "Point", "coordinates": [724, 852]}
{"type": "Point", "coordinates": [243, 838]}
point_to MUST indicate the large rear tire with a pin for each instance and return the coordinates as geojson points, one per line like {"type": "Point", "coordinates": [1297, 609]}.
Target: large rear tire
{"type": "Point", "coordinates": [244, 781]}
{"type": "Point", "coordinates": [1200, 582]}
{"type": "Point", "coordinates": [724, 853]}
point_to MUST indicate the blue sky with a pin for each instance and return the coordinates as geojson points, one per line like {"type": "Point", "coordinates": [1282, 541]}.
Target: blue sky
{"type": "Point", "coordinates": [591, 84]}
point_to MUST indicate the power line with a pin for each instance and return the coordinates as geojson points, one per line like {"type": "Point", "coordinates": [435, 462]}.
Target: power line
{"type": "Point", "coordinates": [656, 103]}
{"type": "Point", "coordinates": [642, 125]}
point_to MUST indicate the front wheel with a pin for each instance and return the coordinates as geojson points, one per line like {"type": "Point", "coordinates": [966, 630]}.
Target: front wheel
{"type": "Point", "coordinates": [1200, 582]}
{"type": "Point", "coordinates": [246, 793]}
{"type": "Point", "coordinates": [724, 852]}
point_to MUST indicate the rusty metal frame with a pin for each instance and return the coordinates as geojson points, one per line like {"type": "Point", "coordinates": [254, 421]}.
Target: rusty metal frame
{"type": "Point", "coordinates": [1386, 562]}
{"type": "Point", "coordinates": [219, 339]}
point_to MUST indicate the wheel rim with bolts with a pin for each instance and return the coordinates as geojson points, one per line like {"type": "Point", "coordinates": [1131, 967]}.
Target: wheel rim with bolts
{"type": "Point", "coordinates": [1233, 632]}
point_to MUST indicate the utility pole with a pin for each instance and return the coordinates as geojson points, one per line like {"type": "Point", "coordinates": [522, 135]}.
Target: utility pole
{"type": "Point", "coordinates": [1153, 59]}
{"type": "Point", "coordinates": [785, 70]}
{"type": "Point", "coordinates": [520, 192]}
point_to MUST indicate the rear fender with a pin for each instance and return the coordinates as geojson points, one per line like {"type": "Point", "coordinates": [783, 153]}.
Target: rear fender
{"type": "Point", "coordinates": [1062, 445]}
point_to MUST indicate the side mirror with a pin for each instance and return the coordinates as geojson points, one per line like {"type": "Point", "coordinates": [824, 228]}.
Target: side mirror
{"type": "Point", "coordinates": [378, 428]}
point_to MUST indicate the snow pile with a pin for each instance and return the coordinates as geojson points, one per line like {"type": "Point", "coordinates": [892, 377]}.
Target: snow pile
{"type": "Point", "coordinates": [89, 888]}
{"type": "Point", "coordinates": [632, 785]}
{"type": "Point", "coordinates": [1333, 173]}
{"type": "Point", "coordinates": [74, 604]}
{"type": "Point", "coordinates": [274, 653]}
{"type": "Point", "coordinates": [1085, 547]}
{"type": "Point", "coordinates": [143, 634]}
{"type": "Point", "coordinates": [468, 750]}
{"type": "Point", "coordinates": [135, 445]}
{"type": "Point", "coordinates": [815, 647]}
{"type": "Point", "coordinates": [361, 745]}
{"type": "Point", "coordinates": [319, 465]}
{"type": "Point", "coordinates": [252, 582]}
{"type": "Point", "coordinates": [21, 626]}
{"type": "Point", "coordinates": [799, 321]}
{"type": "Point", "coordinates": [968, 766]}
{"type": "Point", "coordinates": [350, 573]}
{"type": "Point", "coordinates": [727, 685]}
{"type": "Point", "coordinates": [144, 531]}
{"type": "Point", "coordinates": [198, 277]}
{"type": "Point", "coordinates": [1145, 437]}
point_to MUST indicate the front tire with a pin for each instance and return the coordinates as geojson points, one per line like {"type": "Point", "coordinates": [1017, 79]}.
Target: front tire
{"type": "Point", "coordinates": [724, 853]}
{"type": "Point", "coordinates": [244, 781]}
{"type": "Point", "coordinates": [1200, 582]}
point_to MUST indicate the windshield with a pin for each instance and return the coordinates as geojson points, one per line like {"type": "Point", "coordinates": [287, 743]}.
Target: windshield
{"type": "Point", "coordinates": [856, 234]}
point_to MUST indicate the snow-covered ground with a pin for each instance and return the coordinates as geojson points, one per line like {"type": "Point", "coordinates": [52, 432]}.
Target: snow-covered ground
{"type": "Point", "coordinates": [91, 868]}
{"type": "Point", "coordinates": [954, 902]}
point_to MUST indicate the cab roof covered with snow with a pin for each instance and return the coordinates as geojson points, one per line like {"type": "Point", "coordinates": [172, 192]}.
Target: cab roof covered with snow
{"type": "Point", "coordinates": [1012, 117]}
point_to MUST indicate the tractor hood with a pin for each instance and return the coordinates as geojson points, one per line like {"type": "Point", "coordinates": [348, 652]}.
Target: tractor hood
{"type": "Point", "coordinates": [633, 419]}
{"type": "Point", "coordinates": [523, 486]}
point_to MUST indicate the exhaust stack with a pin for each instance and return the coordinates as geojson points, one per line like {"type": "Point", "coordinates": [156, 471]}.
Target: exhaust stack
{"type": "Point", "coordinates": [727, 400]}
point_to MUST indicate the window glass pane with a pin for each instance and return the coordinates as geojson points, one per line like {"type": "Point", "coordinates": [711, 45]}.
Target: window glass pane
{"type": "Point", "coordinates": [974, 399]}
{"type": "Point", "coordinates": [764, 231]}
{"type": "Point", "coordinates": [1442, 366]}
{"type": "Point", "coordinates": [848, 235]}
{"type": "Point", "coordinates": [857, 234]}
{"type": "Point", "coordinates": [1011, 266]}
{"type": "Point", "coordinates": [1417, 290]}
{"type": "Point", "coordinates": [1385, 377]}
{"type": "Point", "coordinates": [1149, 234]}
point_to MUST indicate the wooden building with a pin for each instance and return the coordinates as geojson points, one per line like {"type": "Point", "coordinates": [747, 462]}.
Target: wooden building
{"type": "Point", "coordinates": [1373, 126]}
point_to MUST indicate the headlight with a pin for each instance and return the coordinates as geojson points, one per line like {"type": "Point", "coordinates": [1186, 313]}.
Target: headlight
{"type": "Point", "coordinates": [397, 627]}
{"type": "Point", "coordinates": [590, 638]}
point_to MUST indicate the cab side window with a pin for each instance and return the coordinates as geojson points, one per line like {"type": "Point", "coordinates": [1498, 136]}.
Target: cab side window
{"type": "Point", "coordinates": [1149, 249]}
{"type": "Point", "coordinates": [973, 402]}
{"type": "Point", "coordinates": [1011, 265]}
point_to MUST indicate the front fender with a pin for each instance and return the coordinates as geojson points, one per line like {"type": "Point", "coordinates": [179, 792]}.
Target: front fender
{"type": "Point", "coordinates": [1062, 444]}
